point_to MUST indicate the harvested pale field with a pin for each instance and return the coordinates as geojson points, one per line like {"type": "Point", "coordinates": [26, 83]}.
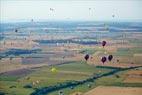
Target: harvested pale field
{"type": "Point", "coordinates": [77, 93]}
{"type": "Point", "coordinates": [76, 57]}
{"type": "Point", "coordinates": [137, 58]}
{"type": "Point", "coordinates": [111, 49]}
{"type": "Point", "coordinates": [134, 76]}
{"type": "Point", "coordinates": [123, 62]}
{"type": "Point", "coordinates": [20, 44]}
{"type": "Point", "coordinates": [12, 67]}
{"type": "Point", "coordinates": [103, 90]}
{"type": "Point", "coordinates": [133, 80]}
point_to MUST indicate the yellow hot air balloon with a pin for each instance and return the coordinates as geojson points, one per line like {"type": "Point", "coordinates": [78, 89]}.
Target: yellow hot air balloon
{"type": "Point", "coordinates": [53, 69]}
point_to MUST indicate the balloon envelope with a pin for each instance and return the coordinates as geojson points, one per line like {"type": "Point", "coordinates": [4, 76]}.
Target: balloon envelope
{"type": "Point", "coordinates": [110, 57]}
{"type": "Point", "coordinates": [53, 69]}
{"type": "Point", "coordinates": [103, 59]}
{"type": "Point", "coordinates": [16, 30]}
{"type": "Point", "coordinates": [103, 43]}
{"type": "Point", "coordinates": [113, 16]}
{"type": "Point", "coordinates": [86, 57]}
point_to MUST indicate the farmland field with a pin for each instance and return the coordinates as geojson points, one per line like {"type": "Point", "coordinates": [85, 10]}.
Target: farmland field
{"type": "Point", "coordinates": [48, 58]}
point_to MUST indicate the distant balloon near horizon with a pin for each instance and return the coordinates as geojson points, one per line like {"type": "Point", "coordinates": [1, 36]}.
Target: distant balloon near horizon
{"type": "Point", "coordinates": [51, 9]}
{"type": "Point", "coordinates": [113, 15]}
{"type": "Point", "coordinates": [32, 20]}
{"type": "Point", "coordinates": [16, 30]}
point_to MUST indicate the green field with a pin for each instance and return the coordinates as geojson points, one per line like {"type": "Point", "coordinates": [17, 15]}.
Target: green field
{"type": "Point", "coordinates": [74, 71]}
{"type": "Point", "coordinates": [65, 72]}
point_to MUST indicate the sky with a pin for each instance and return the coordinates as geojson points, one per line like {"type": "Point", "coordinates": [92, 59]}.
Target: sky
{"type": "Point", "coordinates": [84, 10]}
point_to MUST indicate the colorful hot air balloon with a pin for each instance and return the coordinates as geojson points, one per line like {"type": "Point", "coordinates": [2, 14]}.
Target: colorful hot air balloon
{"type": "Point", "coordinates": [103, 43]}
{"type": "Point", "coordinates": [104, 59]}
{"type": "Point", "coordinates": [110, 57]}
{"type": "Point", "coordinates": [53, 69]}
{"type": "Point", "coordinates": [86, 57]}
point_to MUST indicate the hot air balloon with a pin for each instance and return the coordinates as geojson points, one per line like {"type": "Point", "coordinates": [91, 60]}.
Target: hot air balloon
{"type": "Point", "coordinates": [86, 57]}
{"type": "Point", "coordinates": [117, 76]}
{"type": "Point", "coordinates": [32, 20]}
{"type": "Point", "coordinates": [72, 87]}
{"type": "Point", "coordinates": [53, 69]}
{"type": "Point", "coordinates": [89, 85]}
{"type": "Point", "coordinates": [103, 43]}
{"type": "Point", "coordinates": [51, 9]}
{"type": "Point", "coordinates": [16, 30]}
{"type": "Point", "coordinates": [104, 59]}
{"type": "Point", "coordinates": [117, 60]}
{"type": "Point", "coordinates": [113, 15]}
{"type": "Point", "coordinates": [61, 93]}
{"type": "Point", "coordinates": [110, 57]}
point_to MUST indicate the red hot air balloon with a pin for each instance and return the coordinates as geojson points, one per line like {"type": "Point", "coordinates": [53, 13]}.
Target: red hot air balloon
{"type": "Point", "coordinates": [103, 59]}
{"type": "Point", "coordinates": [103, 43]}
{"type": "Point", "coordinates": [110, 57]}
{"type": "Point", "coordinates": [86, 57]}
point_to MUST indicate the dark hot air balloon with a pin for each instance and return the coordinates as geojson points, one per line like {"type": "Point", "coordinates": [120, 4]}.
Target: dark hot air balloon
{"type": "Point", "coordinates": [32, 20]}
{"type": "Point", "coordinates": [86, 57]}
{"type": "Point", "coordinates": [110, 57]}
{"type": "Point", "coordinates": [103, 59]}
{"type": "Point", "coordinates": [103, 43]}
{"type": "Point", "coordinates": [117, 60]}
{"type": "Point", "coordinates": [51, 9]}
{"type": "Point", "coordinates": [113, 15]}
{"type": "Point", "coordinates": [16, 30]}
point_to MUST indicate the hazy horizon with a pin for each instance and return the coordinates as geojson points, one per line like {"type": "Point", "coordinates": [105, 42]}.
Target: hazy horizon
{"type": "Point", "coordinates": [80, 10]}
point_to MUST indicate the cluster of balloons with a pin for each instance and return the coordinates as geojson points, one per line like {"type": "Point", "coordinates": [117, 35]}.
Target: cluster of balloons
{"type": "Point", "coordinates": [51, 9]}
{"type": "Point", "coordinates": [103, 59]}
{"type": "Point", "coordinates": [86, 57]}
